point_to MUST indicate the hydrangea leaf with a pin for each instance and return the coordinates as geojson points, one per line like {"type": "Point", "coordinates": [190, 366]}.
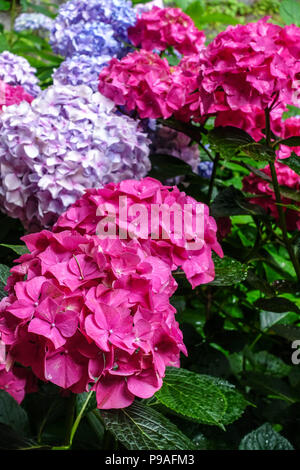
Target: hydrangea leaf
{"type": "Point", "coordinates": [19, 249]}
{"type": "Point", "coordinates": [292, 162]}
{"type": "Point", "coordinates": [228, 271]}
{"type": "Point", "coordinates": [140, 427]}
{"type": "Point", "coordinates": [203, 398]}
{"type": "Point", "coordinates": [265, 438]}
{"type": "Point", "coordinates": [11, 413]}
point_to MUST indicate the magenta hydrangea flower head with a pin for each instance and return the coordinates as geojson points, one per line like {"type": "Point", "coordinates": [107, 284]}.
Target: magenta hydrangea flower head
{"type": "Point", "coordinates": [17, 71]}
{"type": "Point", "coordinates": [93, 27]}
{"type": "Point", "coordinates": [249, 66]}
{"type": "Point", "coordinates": [145, 82]}
{"type": "Point", "coordinates": [88, 311]}
{"type": "Point", "coordinates": [67, 140]}
{"type": "Point", "coordinates": [161, 28]}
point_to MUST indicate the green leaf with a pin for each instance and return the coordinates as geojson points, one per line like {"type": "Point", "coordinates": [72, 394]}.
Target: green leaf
{"type": "Point", "coordinates": [202, 398]}
{"type": "Point", "coordinates": [258, 152]}
{"type": "Point", "coordinates": [212, 18]}
{"type": "Point", "coordinates": [19, 249]}
{"type": "Point", "coordinates": [265, 438]}
{"type": "Point", "coordinates": [292, 162]}
{"type": "Point", "coordinates": [167, 166]}
{"type": "Point", "coordinates": [276, 305]}
{"type": "Point", "coordinates": [268, 319]}
{"type": "Point", "coordinates": [81, 400]}
{"type": "Point", "coordinates": [272, 387]}
{"type": "Point", "coordinates": [228, 271]}
{"type": "Point", "coordinates": [4, 273]}
{"type": "Point", "coordinates": [4, 5]}
{"type": "Point", "coordinates": [267, 363]}
{"type": "Point", "coordinates": [289, 332]}
{"type": "Point", "coordinates": [139, 427]}
{"type": "Point", "coordinates": [41, 9]}
{"type": "Point", "coordinates": [227, 140]}
{"type": "Point", "coordinates": [290, 12]}
{"type": "Point", "coordinates": [292, 111]}
{"type": "Point", "coordinates": [3, 43]}
{"type": "Point", "coordinates": [290, 141]}
{"type": "Point", "coordinates": [11, 413]}
{"type": "Point", "coordinates": [231, 201]}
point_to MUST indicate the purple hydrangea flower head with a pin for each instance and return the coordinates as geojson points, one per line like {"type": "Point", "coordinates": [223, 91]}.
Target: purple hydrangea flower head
{"type": "Point", "coordinates": [81, 70]}
{"type": "Point", "coordinates": [16, 70]}
{"type": "Point", "coordinates": [94, 38]}
{"type": "Point", "coordinates": [69, 139]}
{"type": "Point", "coordinates": [33, 21]}
{"type": "Point", "coordinates": [92, 26]}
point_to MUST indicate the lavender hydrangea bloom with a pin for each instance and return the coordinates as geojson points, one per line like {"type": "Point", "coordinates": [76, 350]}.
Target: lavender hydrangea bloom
{"type": "Point", "coordinates": [94, 38]}
{"type": "Point", "coordinates": [81, 70]}
{"type": "Point", "coordinates": [205, 169]}
{"type": "Point", "coordinates": [67, 140]}
{"type": "Point", "coordinates": [170, 142]}
{"type": "Point", "coordinates": [76, 17]}
{"type": "Point", "coordinates": [33, 21]}
{"type": "Point", "coordinates": [16, 70]}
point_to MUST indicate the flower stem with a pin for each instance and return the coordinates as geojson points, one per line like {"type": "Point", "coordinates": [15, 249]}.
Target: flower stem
{"type": "Point", "coordinates": [282, 221]}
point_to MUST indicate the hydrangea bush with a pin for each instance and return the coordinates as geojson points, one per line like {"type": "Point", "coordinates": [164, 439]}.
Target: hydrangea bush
{"type": "Point", "coordinates": [149, 184]}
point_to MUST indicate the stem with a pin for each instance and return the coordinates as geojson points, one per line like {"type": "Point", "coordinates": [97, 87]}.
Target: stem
{"type": "Point", "coordinates": [13, 14]}
{"type": "Point", "coordinates": [282, 222]}
{"type": "Point", "coordinates": [78, 418]}
{"type": "Point", "coordinates": [212, 178]}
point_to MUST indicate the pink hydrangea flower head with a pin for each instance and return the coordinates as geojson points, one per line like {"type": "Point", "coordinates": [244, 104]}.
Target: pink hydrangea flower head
{"type": "Point", "coordinates": [161, 28]}
{"type": "Point", "coordinates": [89, 311]}
{"type": "Point", "coordinates": [248, 67]}
{"type": "Point", "coordinates": [145, 82]}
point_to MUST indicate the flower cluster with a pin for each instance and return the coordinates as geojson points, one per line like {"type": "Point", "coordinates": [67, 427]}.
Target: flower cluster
{"type": "Point", "coordinates": [89, 311]}
{"type": "Point", "coordinates": [67, 140]}
{"type": "Point", "coordinates": [144, 82]}
{"type": "Point", "coordinates": [16, 70]}
{"type": "Point", "coordinates": [249, 67]}
{"type": "Point", "coordinates": [33, 21]}
{"type": "Point", "coordinates": [93, 27]}
{"type": "Point", "coordinates": [80, 70]}
{"type": "Point", "coordinates": [161, 28]}
{"type": "Point", "coordinates": [10, 95]}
